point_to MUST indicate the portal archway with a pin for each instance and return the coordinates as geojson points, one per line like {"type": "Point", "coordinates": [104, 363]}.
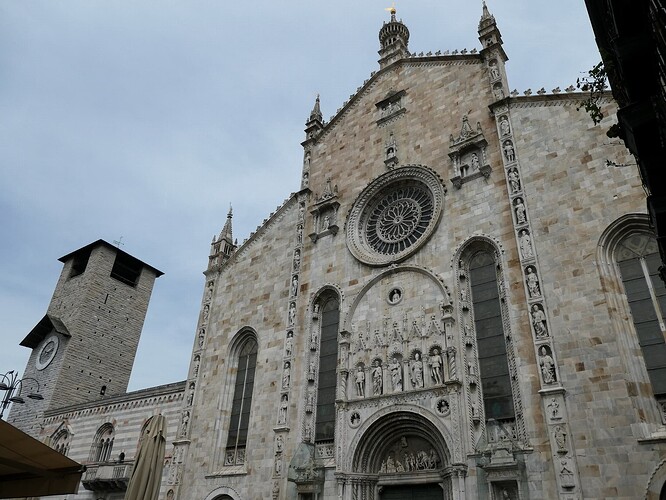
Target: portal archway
{"type": "Point", "coordinates": [398, 450]}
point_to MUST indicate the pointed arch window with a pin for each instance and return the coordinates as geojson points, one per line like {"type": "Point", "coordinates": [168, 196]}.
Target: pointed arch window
{"type": "Point", "coordinates": [638, 261]}
{"type": "Point", "coordinates": [103, 444]}
{"type": "Point", "coordinates": [61, 441]}
{"type": "Point", "coordinates": [492, 353]}
{"type": "Point", "coordinates": [242, 402]}
{"type": "Point", "coordinates": [328, 360]}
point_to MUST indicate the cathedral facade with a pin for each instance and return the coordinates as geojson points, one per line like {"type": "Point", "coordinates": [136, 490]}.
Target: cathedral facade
{"type": "Point", "coordinates": [460, 302]}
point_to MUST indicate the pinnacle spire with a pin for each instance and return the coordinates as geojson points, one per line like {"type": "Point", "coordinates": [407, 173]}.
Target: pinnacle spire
{"type": "Point", "coordinates": [227, 233]}
{"type": "Point", "coordinates": [315, 114]}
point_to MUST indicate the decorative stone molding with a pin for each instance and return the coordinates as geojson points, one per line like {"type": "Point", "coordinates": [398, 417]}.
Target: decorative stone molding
{"type": "Point", "coordinates": [468, 154]}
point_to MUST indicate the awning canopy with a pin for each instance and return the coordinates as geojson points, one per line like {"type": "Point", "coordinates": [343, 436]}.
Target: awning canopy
{"type": "Point", "coordinates": [30, 468]}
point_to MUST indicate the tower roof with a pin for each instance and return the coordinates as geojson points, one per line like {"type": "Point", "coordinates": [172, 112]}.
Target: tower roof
{"type": "Point", "coordinates": [393, 31]}
{"type": "Point", "coordinates": [99, 243]}
{"type": "Point", "coordinates": [315, 114]}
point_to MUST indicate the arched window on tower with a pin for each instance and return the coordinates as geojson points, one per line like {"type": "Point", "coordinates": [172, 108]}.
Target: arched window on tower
{"type": "Point", "coordinates": [103, 444]}
{"type": "Point", "coordinates": [328, 361]}
{"type": "Point", "coordinates": [492, 353]}
{"type": "Point", "coordinates": [242, 400]}
{"type": "Point", "coordinates": [638, 261]}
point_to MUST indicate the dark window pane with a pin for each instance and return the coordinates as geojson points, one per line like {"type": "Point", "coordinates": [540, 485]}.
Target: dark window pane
{"type": "Point", "coordinates": [242, 400]}
{"type": "Point", "coordinates": [328, 359]}
{"type": "Point", "coordinates": [491, 346]}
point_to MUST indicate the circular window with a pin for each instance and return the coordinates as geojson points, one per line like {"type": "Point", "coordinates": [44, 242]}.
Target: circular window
{"type": "Point", "coordinates": [394, 215]}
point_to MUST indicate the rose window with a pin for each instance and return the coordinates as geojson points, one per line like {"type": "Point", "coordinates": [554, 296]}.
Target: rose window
{"type": "Point", "coordinates": [394, 215]}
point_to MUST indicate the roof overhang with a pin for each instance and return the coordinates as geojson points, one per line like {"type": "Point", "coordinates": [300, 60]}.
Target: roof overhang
{"type": "Point", "coordinates": [30, 468]}
{"type": "Point", "coordinates": [45, 326]}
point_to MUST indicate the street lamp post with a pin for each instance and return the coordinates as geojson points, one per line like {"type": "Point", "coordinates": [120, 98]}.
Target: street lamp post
{"type": "Point", "coordinates": [11, 383]}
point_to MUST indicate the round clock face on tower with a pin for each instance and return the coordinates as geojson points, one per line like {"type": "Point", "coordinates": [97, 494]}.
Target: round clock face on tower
{"type": "Point", "coordinates": [395, 215]}
{"type": "Point", "coordinates": [47, 352]}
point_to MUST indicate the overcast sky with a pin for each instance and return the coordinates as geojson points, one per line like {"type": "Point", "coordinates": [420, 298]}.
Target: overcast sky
{"type": "Point", "coordinates": [146, 119]}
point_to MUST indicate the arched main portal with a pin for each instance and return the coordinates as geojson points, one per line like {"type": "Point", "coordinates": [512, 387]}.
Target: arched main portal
{"type": "Point", "coordinates": [401, 451]}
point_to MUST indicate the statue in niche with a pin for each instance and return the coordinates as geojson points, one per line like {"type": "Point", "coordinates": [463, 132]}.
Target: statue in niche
{"type": "Point", "coordinates": [309, 402]}
{"type": "Point", "coordinates": [289, 344]}
{"type": "Point", "coordinates": [494, 72]}
{"type": "Point", "coordinates": [547, 365]}
{"type": "Point", "coordinates": [539, 322]}
{"type": "Point", "coordinates": [292, 313]}
{"type": "Point", "coordinates": [514, 180]}
{"type": "Point", "coordinates": [395, 296]}
{"type": "Point", "coordinates": [327, 222]}
{"type": "Point", "coordinates": [560, 438]}
{"type": "Point", "coordinates": [206, 310]}
{"type": "Point", "coordinates": [282, 411]}
{"type": "Point", "coordinates": [306, 179]}
{"type": "Point", "coordinates": [509, 152]}
{"type": "Point", "coordinates": [355, 418]}
{"type": "Point", "coordinates": [417, 371]}
{"type": "Point", "coordinates": [190, 396]}
{"type": "Point", "coordinates": [278, 465]}
{"type": "Point", "coordinates": [195, 366]}
{"type": "Point", "coordinates": [504, 495]}
{"type": "Point", "coordinates": [294, 286]}
{"type": "Point", "coordinates": [397, 333]}
{"type": "Point", "coordinates": [312, 370]}
{"type": "Point", "coordinates": [505, 128]}
{"type": "Point", "coordinates": [474, 161]}
{"type": "Point", "coordinates": [533, 283]}
{"type": "Point", "coordinates": [360, 382]}
{"type": "Point", "coordinates": [279, 443]}
{"type": "Point", "coordinates": [209, 291]}
{"type": "Point", "coordinates": [297, 260]}
{"type": "Point", "coordinates": [396, 375]}
{"type": "Point", "coordinates": [498, 91]}
{"type": "Point", "coordinates": [202, 336]}
{"type": "Point", "coordinates": [566, 476]}
{"type": "Point", "coordinates": [314, 338]}
{"type": "Point", "coordinates": [286, 375]}
{"type": "Point", "coordinates": [554, 408]}
{"type": "Point", "coordinates": [301, 212]}
{"type": "Point", "coordinates": [521, 215]}
{"type": "Point", "coordinates": [299, 234]}
{"type": "Point", "coordinates": [436, 363]}
{"type": "Point", "coordinates": [185, 420]}
{"type": "Point", "coordinates": [377, 378]}
{"type": "Point", "coordinates": [276, 490]}
{"type": "Point", "coordinates": [360, 343]}
{"type": "Point", "coordinates": [525, 241]}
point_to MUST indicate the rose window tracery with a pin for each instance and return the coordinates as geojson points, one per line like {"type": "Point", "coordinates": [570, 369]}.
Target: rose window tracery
{"type": "Point", "coordinates": [394, 215]}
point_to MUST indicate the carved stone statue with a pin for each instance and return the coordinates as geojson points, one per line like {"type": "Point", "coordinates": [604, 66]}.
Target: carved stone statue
{"type": "Point", "coordinates": [554, 408]}
{"type": "Point", "coordinates": [294, 286]}
{"type": "Point", "coordinates": [514, 180]}
{"type": "Point", "coordinates": [202, 336]}
{"type": "Point", "coordinates": [279, 443]}
{"type": "Point", "coordinates": [525, 241]}
{"type": "Point", "coordinates": [521, 216]}
{"type": "Point", "coordinates": [184, 421]}
{"type": "Point", "coordinates": [539, 322]}
{"type": "Point", "coordinates": [282, 413]}
{"type": "Point", "coordinates": [286, 375]}
{"type": "Point", "coordinates": [417, 371]}
{"type": "Point", "coordinates": [533, 283]}
{"type": "Point", "coordinates": [312, 370]}
{"type": "Point", "coordinates": [377, 379]}
{"type": "Point", "coordinates": [292, 313]}
{"type": "Point", "coordinates": [195, 366]}
{"type": "Point", "coordinates": [509, 152]}
{"type": "Point", "coordinates": [547, 365]}
{"type": "Point", "coordinates": [474, 161]}
{"type": "Point", "coordinates": [299, 234]}
{"type": "Point", "coordinates": [436, 363]}
{"type": "Point", "coordinates": [297, 260]}
{"type": "Point", "coordinates": [396, 375]}
{"type": "Point", "coordinates": [560, 438]}
{"type": "Point", "coordinates": [289, 344]}
{"type": "Point", "coordinates": [505, 128]}
{"type": "Point", "coordinates": [360, 382]}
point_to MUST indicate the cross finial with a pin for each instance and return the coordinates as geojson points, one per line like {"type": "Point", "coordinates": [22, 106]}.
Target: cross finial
{"type": "Point", "coordinates": [118, 242]}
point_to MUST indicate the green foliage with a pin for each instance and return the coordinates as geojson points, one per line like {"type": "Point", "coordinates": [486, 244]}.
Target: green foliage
{"type": "Point", "coordinates": [596, 83]}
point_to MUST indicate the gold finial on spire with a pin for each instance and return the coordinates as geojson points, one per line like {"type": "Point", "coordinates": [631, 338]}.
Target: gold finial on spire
{"type": "Point", "coordinates": [391, 9]}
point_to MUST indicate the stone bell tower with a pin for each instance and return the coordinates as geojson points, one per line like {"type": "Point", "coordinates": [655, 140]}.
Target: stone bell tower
{"type": "Point", "coordinates": [83, 348]}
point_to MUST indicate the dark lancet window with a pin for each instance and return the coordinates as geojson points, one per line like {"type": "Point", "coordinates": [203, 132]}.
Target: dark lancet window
{"type": "Point", "coordinates": [328, 360]}
{"type": "Point", "coordinates": [103, 444]}
{"type": "Point", "coordinates": [638, 260]}
{"type": "Point", "coordinates": [493, 365]}
{"type": "Point", "coordinates": [242, 402]}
